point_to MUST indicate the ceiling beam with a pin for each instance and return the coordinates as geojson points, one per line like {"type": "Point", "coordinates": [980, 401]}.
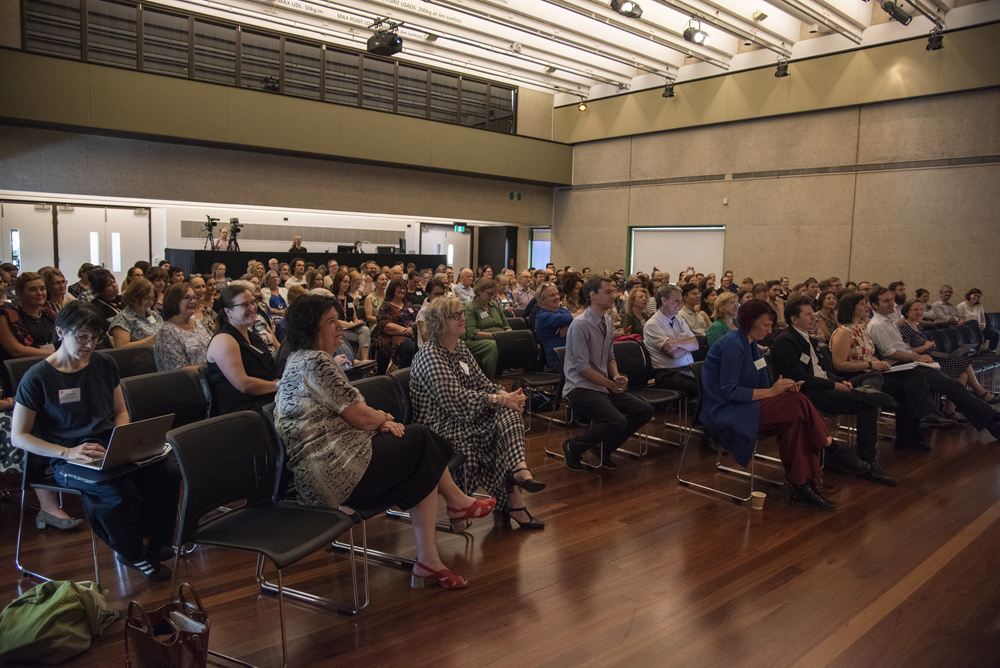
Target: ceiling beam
{"type": "Point", "coordinates": [731, 24]}
{"type": "Point", "coordinates": [827, 14]}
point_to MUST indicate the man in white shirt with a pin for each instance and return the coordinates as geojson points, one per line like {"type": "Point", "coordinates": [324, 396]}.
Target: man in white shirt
{"type": "Point", "coordinates": [943, 310]}
{"type": "Point", "coordinates": [898, 290]}
{"type": "Point", "coordinates": [298, 276]}
{"type": "Point", "coordinates": [669, 341]}
{"type": "Point", "coordinates": [890, 345]}
{"type": "Point", "coordinates": [463, 289]}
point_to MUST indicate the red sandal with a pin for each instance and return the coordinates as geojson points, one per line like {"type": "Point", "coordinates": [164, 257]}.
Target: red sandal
{"type": "Point", "coordinates": [443, 577]}
{"type": "Point", "coordinates": [479, 508]}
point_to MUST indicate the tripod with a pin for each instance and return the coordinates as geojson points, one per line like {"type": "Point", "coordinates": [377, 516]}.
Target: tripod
{"type": "Point", "coordinates": [234, 245]}
{"type": "Point", "coordinates": [209, 239]}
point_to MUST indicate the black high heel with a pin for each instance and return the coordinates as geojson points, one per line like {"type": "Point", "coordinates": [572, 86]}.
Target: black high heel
{"type": "Point", "coordinates": [529, 485]}
{"type": "Point", "coordinates": [532, 524]}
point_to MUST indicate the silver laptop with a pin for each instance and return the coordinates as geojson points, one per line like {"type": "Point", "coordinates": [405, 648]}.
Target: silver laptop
{"type": "Point", "coordinates": [136, 442]}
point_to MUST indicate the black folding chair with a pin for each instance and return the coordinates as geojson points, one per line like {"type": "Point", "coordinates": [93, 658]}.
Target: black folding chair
{"type": "Point", "coordinates": [517, 323]}
{"type": "Point", "coordinates": [232, 458]}
{"type": "Point", "coordinates": [630, 356]}
{"type": "Point", "coordinates": [134, 361]}
{"type": "Point", "coordinates": [154, 394]}
{"type": "Point", "coordinates": [697, 368]}
{"type": "Point", "coordinates": [517, 359]}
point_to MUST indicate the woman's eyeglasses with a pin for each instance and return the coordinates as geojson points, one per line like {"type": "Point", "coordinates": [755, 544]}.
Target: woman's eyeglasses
{"type": "Point", "coordinates": [458, 316]}
{"type": "Point", "coordinates": [243, 305]}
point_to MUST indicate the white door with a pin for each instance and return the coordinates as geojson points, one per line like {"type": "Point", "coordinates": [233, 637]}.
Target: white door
{"type": "Point", "coordinates": [127, 240]}
{"type": "Point", "coordinates": [26, 235]}
{"type": "Point", "coordinates": [81, 238]}
{"type": "Point", "coordinates": [440, 239]}
{"type": "Point", "coordinates": [112, 238]}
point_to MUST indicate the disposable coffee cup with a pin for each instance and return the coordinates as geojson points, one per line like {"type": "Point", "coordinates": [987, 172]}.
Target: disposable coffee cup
{"type": "Point", "coordinates": [757, 499]}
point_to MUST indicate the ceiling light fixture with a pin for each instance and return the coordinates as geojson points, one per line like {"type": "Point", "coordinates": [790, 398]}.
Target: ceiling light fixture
{"type": "Point", "coordinates": [696, 35]}
{"type": "Point", "coordinates": [627, 8]}
{"type": "Point", "coordinates": [896, 12]}
{"type": "Point", "coordinates": [782, 70]}
{"type": "Point", "coordinates": [935, 39]}
{"type": "Point", "coordinates": [583, 106]}
{"type": "Point", "coordinates": [668, 89]}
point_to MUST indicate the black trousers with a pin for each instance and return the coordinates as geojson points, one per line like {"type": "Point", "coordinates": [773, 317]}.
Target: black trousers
{"type": "Point", "coordinates": [979, 412]}
{"type": "Point", "coordinates": [839, 402]}
{"type": "Point", "coordinates": [679, 380]}
{"type": "Point", "coordinates": [913, 402]}
{"type": "Point", "coordinates": [616, 417]}
{"type": "Point", "coordinates": [123, 511]}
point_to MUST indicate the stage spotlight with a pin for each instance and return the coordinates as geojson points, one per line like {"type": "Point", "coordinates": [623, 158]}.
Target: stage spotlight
{"type": "Point", "coordinates": [896, 12]}
{"type": "Point", "coordinates": [934, 40]}
{"type": "Point", "coordinates": [668, 89]}
{"type": "Point", "coordinates": [696, 35]}
{"type": "Point", "coordinates": [627, 8]}
{"type": "Point", "coordinates": [782, 70]}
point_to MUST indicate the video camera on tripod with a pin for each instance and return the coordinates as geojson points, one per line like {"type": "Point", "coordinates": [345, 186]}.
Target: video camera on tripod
{"type": "Point", "coordinates": [234, 229]}
{"type": "Point", "coordinates": [209, 240]}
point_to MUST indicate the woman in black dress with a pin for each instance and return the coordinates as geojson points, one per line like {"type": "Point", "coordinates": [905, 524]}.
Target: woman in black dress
{"type": "Point", "coordinates": [241, 371]}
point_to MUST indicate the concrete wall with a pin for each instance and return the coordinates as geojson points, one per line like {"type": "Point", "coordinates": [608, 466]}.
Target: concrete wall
{"type": "Point", "coordinates": [50, 161]}
{"type": "Point", "coordinates": [925, 225]}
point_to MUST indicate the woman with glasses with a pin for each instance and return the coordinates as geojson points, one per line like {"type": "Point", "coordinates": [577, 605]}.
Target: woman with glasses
{"type": "Point", "coordinates": [183, 339]}
{"type": "Point", "coordinates": [66, 408]}
{"type": "Point", "coordinates": [137, 323]}
{"type": "Point", "coordinates": [483, 318]}
{"type": "Point", "coordinates": [55, 288]}
{"type": "Point", "coordinates": [393, 332]}
{"type": "Point", "coordinates": [241, 372]}
{"type": "Point", "coordinates": [454, 399]}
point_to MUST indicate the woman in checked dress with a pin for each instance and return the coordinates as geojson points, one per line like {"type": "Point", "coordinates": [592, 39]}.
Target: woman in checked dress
{"type": "Point", "coordinates": [453, 397]}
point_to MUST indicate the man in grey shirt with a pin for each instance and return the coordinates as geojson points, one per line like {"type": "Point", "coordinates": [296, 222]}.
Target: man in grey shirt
{"type": "Point", "coordinates": [593, 385]}
{"type": "Point", "coordinates": [463, 289]}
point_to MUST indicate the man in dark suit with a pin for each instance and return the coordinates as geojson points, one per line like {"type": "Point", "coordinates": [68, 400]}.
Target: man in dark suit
{"type": "Point", "coordinates": [795, 356]}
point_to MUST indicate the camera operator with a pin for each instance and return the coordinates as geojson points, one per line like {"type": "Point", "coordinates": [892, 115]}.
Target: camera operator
{"type": "Point", "coordinates": [222, 243]}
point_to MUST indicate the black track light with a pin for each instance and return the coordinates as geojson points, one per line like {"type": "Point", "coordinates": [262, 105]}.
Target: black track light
{"type": "Point", "coordinates": [934, 40]}
{"type": "Point", "coordinates": [782, 70]}
{"type": "Point", "coordinates": [668, 89]}
{"type": "Point", "coordinates": [896, 12]}
{"type": "Point", "coordinates": [627, 8]}
{"type": "Point", "coordinates": [695, 34]}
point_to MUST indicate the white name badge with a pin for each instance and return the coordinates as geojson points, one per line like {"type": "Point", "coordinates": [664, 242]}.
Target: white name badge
{"type": "Point", "coordinates": [465, 367]}
{"type": "Point", "coordinates": [484, 314]}
{"type": "Point", "coordinates": [69, 396]}
{"type": "Point", "coordinates": [760, 364]}
{"type": "Point", "coordinates": [805, 359]}
{"type": "Point", "coordinates": [151, 319]}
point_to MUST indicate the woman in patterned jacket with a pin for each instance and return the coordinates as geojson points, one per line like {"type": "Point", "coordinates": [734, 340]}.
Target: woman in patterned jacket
{"type": "Point", "coordinates": [453, 397]}
{"type": "Point", "coordinates": [345, 454]}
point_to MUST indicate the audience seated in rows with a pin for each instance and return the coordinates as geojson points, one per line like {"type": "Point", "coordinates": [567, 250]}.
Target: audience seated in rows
{"type": "Point", "coordinates": [344, 287]}
{"type": "Point", "coordinates": [670, 342]}
{"type": "Point", "coordinates": [343, 453]}
{"type": "Point", "coordinates": [634, 315]}
{"type": "Point", "coordinates": [796, 355]}
{"type": "Point", "coordinates": [123, 510]}
{"type": "Point", "coordinates": [456, 400]}
{"type": "Point", "coordinates": [724, 317]}
{"type": "Point", "coordinates": [594, 387]}
{"type": "Point", "coordinates": [972, 310]}
{"type": "Point", "coordinates": [886, 337]}
{"type": "Point", "coordinates": [393, 331]}
{"type": "Point", "coordinates": [241, 371]}
{"type": "Point", "coordinates": [552, 322]}
{"type": "Point", "coordinates": [137, 323]}
{"type": "Point", "coordinates": [463, 289]}
{"type": "Point", "coordinates": [183, 340]}
{"type": "Point", "coordinates": [740, 404]}
{"type": "Point", "coordinates": [483, 318]}
{"type": "Point", "coordinates": [697, 322]}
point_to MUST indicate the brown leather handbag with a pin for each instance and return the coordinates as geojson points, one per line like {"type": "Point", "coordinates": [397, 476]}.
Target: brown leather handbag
{"type": "Point", "coordinates": [172, 636]}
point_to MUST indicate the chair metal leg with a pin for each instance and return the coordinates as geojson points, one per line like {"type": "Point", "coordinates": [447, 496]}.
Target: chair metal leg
{"type": "Point", "coordinates": [560, 455]}
{"type": "Point", "coordinates": [442, 525]}
{"type": "Point", "coordinates": [756, 456]}
{"type": "Point", "coordinates": [269, 588]}
{"type": "Point", "coordinates": [17, 550]}
{"type": "Point", "coordinates": [683, 432]}
{"type": "Point", "coordinates": [688, 483]}
{"type": "Point", "coordinates": [385, 558]}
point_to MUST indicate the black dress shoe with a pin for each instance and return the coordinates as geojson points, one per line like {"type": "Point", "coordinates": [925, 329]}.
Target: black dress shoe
{"type": "Point", "coordinates": [573, 462]}
{"type": "Point", "coordinates": [994, 427]}
{"type": "Point", "coordinates": [805, 496]}
{"type": "Point", "coordinates": [877, 475]}
{"type": "Point", "coordinates": [872, 397]}
{"type": "Point", "coordinates": [935, 421]}
{"type": "Point", "coordinates": [843, 460]}
{"type": "Point", "coordinates": [916, 446]}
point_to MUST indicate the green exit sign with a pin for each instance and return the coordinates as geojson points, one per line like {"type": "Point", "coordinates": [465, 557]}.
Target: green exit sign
{"type": "Point", "coordinates": [515, 196]}
{"type": "Point", "coordinates": [460, 228]}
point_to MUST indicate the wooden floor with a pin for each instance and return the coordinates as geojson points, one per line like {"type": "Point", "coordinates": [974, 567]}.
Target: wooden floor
{"type": "Point", "coordinates": [633, 570]}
